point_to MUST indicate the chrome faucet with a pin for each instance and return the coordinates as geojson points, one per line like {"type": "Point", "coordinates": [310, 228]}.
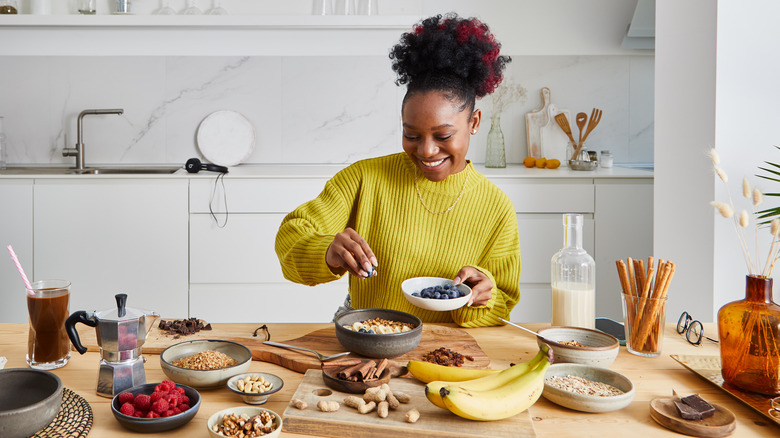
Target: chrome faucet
{"type": "Point", "coordinates": [78, 151]}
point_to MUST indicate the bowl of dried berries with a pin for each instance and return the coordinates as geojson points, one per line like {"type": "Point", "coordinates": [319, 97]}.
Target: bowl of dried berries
{"type": "Point", "coordinates": [378, 333]}
{"type": "Point", "coordinates": [434, 293]}
{"type": "Point", "coordinates": [228, 423]}
{"type": "Point", "coordinates": [155, 407]}
{"type": "Point", "coordinates": [204, 363]}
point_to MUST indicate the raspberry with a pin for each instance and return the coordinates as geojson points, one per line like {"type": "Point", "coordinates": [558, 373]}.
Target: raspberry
{"type": "Point", "coordinates": [160, 406]}
{"type": "Point", "coordinates": [138, 414]}
{"type": "Point", "coordinates": [179, 389]}
{"type": "Point", "coordinates": [162, 387]}
{"type": "Point", "coordinates": [184, 407]}
{"type": "Point", "coordinates": [171, 386]}
{"type": "Point", "coordinates": [143, 402]}
{"type": "Point", "coordinates": [184, 399]}
{"type": "Point", "coordinates": [152, 414]}
{"type": "Point", "coordinates": [156, 396]}
{"type": "Point", "coordinates": [176, 411]}
{"type": "Point", "coordinates": [124, 398]}
{"type": "Point", "coordinates": [127, 408]}
{"type": "Point", "coordinates": [173, 398]}
{"type": "Point", "coordinates": [168, 413]}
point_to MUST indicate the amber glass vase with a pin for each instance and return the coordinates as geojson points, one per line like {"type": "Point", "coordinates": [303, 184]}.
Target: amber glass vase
{"type": "Point", "coordinates": [749, 333]}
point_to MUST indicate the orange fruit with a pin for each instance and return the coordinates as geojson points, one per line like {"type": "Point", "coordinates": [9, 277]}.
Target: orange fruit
{"type": "Point", "coordinates": [541, 162]}
{"type": "Point", "coordinates": [553, 164]}
{"type": "Point", "coordinates": [529, 162]}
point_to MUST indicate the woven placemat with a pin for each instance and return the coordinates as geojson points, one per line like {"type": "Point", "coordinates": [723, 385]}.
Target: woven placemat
{"type": "Point", "coordinates": [74, 420]}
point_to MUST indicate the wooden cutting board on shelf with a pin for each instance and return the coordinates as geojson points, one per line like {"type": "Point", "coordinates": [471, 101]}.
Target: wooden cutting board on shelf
{"type": "Point", "coordinates": [433, 422]}
{"type": "Point", "coordinates": [535, 121]}
{"type": "Point", "coordinates": [322, 340]}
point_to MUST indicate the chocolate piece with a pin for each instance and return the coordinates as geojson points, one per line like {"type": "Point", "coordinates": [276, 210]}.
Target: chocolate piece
{"type": "Point", "coordinates": [687, 412]}
{"type": "Point", "coordinates": [705, 409]}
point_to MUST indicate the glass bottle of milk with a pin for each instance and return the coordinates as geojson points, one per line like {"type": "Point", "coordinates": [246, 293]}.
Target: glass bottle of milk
{"type": "Point", "coordinates": [573, 279]}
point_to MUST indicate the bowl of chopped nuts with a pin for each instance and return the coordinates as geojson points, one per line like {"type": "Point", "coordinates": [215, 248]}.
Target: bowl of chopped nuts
{"type": "Point", "coordinates": [378, 333]}
{"type": "Point", "coordinates": [204, 363]}
{"type": "Point", "coordinates": [580, 345]}
{"type": "Point", "coordinates": [255, 388]}
{"type": "Point", "coordinates": [264, 422]}
{"type": "Point", "coordinates": [435, 293]}
{"type": "Point", "coordinates": [586, 388]}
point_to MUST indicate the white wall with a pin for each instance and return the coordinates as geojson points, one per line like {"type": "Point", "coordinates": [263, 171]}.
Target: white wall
{"type": "Point", "coordinates": [684, 131]}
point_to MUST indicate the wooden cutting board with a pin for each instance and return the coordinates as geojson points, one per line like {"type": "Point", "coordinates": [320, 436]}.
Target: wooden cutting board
{"type": "Point", "coordinates": [554, 141]}
{"type": "Point", "coordinates": [433, 422]}
{"type": "Point", "coordinates": [322, 340]}
{"type": "Point", "coordinates": [534, 122]}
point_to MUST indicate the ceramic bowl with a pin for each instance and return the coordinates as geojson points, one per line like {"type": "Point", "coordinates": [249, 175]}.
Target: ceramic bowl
{"type": "Point", "coordinates": [378, 345]}
{"type": "Point", "coordinates": [29, 401]}
{"type": "Point", "coordinates": [417, 284]}
{"type": "Point", "coordinates": [330, 377]}
{"type": "Point", "coordinates": [600, 349]}
{"type": "Point", "coordinates": [256, 398]}
{"type": "Point", "coordinates": [249, 411]}
{"type": "Point", "coordinates": [588, 403]}
{"type": "Point", "coordinates": [154, 425]}
{"type": "Point", "coordinates": [204, 378]}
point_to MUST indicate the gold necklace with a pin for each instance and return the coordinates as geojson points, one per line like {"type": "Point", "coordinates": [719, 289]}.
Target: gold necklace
{"type": "Point", "coordinates": [419, 195]}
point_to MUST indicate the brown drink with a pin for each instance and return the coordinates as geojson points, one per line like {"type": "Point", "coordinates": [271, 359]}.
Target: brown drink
{"type": "Point", "coordinates": [48, 346]}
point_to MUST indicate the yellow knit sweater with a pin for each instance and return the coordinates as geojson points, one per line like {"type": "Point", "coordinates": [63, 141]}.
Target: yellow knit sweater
{"type": "Point", "coordinates": [377, 197]}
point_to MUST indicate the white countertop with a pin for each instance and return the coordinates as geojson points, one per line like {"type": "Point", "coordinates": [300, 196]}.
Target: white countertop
{"type": "Point", "coordinates": [325, 171]}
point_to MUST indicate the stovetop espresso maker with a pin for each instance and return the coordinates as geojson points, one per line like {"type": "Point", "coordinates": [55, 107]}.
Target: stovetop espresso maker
{"type": "Point", "coordinates": [121, 332]}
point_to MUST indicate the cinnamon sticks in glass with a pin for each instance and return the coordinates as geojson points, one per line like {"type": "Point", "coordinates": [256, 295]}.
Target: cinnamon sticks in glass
{"type": "Point", "coordinates": [645, 289]}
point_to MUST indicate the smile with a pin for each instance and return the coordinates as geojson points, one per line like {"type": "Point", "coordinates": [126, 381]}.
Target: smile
{"type": "Point", "coordinates": [432, 163]}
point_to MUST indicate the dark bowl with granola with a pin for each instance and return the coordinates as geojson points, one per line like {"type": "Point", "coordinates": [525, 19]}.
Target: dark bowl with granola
{"type": "Point", "coordinates": [378, 333]}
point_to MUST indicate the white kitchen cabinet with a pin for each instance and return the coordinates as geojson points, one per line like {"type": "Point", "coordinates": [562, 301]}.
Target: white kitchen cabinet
{"type": "Point", "coordinates": [16, 198]}
{"type": "Point", "coordinates": [113, 235]}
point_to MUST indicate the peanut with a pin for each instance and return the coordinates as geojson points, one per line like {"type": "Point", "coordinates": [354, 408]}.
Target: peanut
{"type": "Point", "coordinates": [254, 384]}
{"type": "Point", "coordinates": [391, 400]}
{"type": "Point", "coordinates": [382, 409]}
{"type": "Point", "coordinates": [412, 416]}
{"type": "Point", "coordinates": [367, 407]}
{"type": "Point", "coordinates": [354, 402]}
{"type": "Point", "coordinates": [328, 406]}
{"type": "Point", "coordinates": [298, 403]}
{"type": "Point", "coordinates": [376, 394]}
{"type": "Point", "coordinates": [402, 396]}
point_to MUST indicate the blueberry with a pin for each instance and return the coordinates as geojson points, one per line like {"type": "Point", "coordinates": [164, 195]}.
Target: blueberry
{"type": "Point", "coordinates": [447, 286]}
{"type": "Point", "coordinates": [453, 293]}
{"type": "Point", "coordinates": [462, 293]}
{"type": "Point", "coordinates": [362, 330]}
{"type": "Point", "coordinates": [436, 295]}
{"type": "Point", "coordinates": [444, 297]}
{"type": "Point", "coordinates": [438, 288]}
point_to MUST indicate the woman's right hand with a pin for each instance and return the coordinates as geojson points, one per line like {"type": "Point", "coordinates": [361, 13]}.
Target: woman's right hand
{"type": "Point", "coordinates": [350, 252]}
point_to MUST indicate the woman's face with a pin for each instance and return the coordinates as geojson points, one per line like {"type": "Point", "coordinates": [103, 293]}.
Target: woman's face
{"type": "Point", "coordinates": [436, 133]}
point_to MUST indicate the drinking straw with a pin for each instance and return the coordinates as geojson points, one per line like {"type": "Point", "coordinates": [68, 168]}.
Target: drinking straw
{"type": "Point", "coordinates": [21, 271]}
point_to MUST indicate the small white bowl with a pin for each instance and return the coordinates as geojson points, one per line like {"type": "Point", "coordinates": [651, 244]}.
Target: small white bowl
{"type": "Point", "coordinates": [251, 411]}
{"type": "Point", "coordinates": [600, 349]}
{"type": "Point", "coordinates": [417, 284]}
{"type": "Point", "coordinates": [588, 403]}
{"type": "Point", "coordinates": [255, 398]}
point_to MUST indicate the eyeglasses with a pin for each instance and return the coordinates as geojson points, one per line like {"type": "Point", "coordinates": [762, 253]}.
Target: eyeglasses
{"type": "Point", "coordinates": [692, 328]}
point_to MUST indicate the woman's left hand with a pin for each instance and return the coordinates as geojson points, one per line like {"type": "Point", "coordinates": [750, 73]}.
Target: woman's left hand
{"type": "Point", "coordinates": [480, 284]}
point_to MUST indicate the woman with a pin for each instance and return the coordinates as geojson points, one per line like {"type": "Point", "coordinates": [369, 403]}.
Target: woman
{"type": "Point", "coordinates": [424, 212]}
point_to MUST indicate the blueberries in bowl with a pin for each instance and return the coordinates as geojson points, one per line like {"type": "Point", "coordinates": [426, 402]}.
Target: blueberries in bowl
{"type": "Point", "coordinates": [440, 292]}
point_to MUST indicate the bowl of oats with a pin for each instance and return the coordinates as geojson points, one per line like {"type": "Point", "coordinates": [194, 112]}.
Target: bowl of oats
{"type": "Point", "coordinates": [378, 333]}
{"type": "Point", "coordinates": [580, 345]}
{"type": "Point", "coordinates": [586, 388]}
{"type": "Point", "coordinates": [204, 363]}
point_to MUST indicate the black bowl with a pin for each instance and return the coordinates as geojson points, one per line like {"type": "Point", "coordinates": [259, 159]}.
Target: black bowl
{"type": "Point", "coordinates": [153, 425]}
{"type": "Point", "coordinates": [29, 401]}
{"type": "Point", "coordinates": [378, 345]}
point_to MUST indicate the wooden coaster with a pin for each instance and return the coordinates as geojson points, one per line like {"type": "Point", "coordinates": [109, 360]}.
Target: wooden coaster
{"type": "Point", "coordinates": [722, 423]}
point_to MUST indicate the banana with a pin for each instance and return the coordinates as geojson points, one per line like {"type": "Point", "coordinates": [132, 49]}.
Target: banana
{"type": "Point", "coordinates": [498, 403]}
{"type": "Point", "coordinates": [483, 383]}
{"type": "Point", "coordinates": [427, 372]}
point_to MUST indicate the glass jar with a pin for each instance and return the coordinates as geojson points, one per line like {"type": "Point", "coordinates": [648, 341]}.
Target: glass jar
{"type": "Point", "coordinates": [495, 155]}
{"type": "Point", "coordinates": [749, 332]}
{"type": "Point", "coordinates": [573, 279]}
{"type": "Point", "coordinates": [8, 7]}
{"type": "Point", "coordinates": [606, 159]}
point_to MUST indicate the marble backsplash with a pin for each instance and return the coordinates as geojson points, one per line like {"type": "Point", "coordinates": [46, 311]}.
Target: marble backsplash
{"type": "Point", "coordinates": [304, 109]}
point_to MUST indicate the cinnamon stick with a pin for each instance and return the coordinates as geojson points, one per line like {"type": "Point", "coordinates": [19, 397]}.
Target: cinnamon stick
{"type": "Point", "coordinates": [381, 367]}
{"type": "Point", "coordinates": [361, 370]}
{"type": "Point", "coordinates": [341, 363]}
{"type": "Point", "coordinates": [657, 302]}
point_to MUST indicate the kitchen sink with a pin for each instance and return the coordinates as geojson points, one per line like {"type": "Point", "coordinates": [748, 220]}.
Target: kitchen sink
{"type": "Point", "coordinates": [52, 170]}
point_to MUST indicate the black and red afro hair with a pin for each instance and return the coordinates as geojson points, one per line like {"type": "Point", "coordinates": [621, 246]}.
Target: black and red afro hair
{"type": "Point", "coordinates": [452, 54]}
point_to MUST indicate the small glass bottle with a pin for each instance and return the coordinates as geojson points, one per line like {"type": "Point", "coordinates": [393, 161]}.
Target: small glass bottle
{"type": "Point", "coordinates": [165, 8]}
{"type": "Point", "coordinates": [3, 145]}
{"type": "Point", "coordinates": [192, 8]}
{"type": "Point", "coordinates": [217, 9]}
{"type": "Point", "coordinates": [606, 159]}
{"type": "Point", "coordinates": [573, 279]}
{"type": "Point", "coordinates": [495, 154]}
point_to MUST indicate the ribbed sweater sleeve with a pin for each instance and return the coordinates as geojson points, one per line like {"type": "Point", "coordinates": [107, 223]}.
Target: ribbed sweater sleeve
{"type": "Point", "coordinates": [392, 207]}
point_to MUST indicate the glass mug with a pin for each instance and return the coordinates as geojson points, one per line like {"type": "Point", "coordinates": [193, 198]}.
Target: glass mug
{"type": "Point", "coordinates": [48, 346]}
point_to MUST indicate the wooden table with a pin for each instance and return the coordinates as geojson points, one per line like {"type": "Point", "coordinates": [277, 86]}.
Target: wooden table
{"type": "Point", "coordinates": [652, 377]}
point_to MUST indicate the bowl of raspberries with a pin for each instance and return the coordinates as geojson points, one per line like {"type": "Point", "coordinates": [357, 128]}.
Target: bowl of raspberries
{"type": "Point", "coordinates": [155, 407]}
{"type": "Point", "coordinates": [435, 293]}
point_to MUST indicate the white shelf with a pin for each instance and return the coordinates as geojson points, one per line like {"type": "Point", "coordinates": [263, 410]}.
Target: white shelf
{"type": "Point", "coordinates": [204, 35]}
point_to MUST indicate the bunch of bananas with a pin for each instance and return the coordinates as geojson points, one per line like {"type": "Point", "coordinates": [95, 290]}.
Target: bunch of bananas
{"type": "Point", "coordinates": [484, 395]}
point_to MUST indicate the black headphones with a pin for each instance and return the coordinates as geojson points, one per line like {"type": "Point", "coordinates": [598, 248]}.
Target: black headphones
{"type": "Point", "coordinates": [193, 165]}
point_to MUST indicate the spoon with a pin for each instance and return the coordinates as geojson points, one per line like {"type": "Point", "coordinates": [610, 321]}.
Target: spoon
{"type": "Point", "coordinates": [529, 331]}
{"type": "Point", "coordinates": [321, 357]}
{"type": "Point", "coordinates": [582, 118]}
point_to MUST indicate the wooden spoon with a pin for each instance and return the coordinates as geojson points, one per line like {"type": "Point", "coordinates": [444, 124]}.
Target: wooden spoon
{"type": "Point", "coordinates": [595, 118]}
{"type": "Point", "coordinates": [582, 118]}
{"type": "Point", "coordinates": [563, 122]}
